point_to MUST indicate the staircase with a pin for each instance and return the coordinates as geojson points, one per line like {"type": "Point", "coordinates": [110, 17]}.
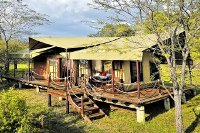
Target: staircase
{"type": "Point", "coordinates": [86, 107]}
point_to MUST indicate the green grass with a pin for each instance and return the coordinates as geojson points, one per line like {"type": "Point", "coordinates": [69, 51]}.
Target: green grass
{"type": "Point", "coordinates": [119, 120]}
{"type": "Point", "coordinates": [21, 68]}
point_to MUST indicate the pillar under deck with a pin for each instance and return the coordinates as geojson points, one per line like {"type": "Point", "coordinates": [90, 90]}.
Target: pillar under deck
{"type": "Point", "coordinates": [167, 104]}
{"type": "Point", "coordinates": [20, 85]}
{"type": "Point", "coordinates": [140, 112]}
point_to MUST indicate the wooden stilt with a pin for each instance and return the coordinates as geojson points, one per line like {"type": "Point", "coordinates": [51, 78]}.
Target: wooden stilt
{"type": "Point", "coordinates": [67, 104]}
{"type": "Point", "coordinates": [82, 106]}
{"type": "Point", "coordinates": [29, 69]}
{"type": "Point", "coordinates": [49, 100]}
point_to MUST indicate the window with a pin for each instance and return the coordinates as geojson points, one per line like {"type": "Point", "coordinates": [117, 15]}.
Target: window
{"type": "Point", "coordinates": [83, 68]}
{"type": "Point", "coordinates": [134, 71]}
{"type": "Point", "coordinates": [53, 68]}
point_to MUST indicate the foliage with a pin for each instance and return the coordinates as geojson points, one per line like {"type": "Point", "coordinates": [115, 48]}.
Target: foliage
{"type": "Point", "coordinates": [14, 46]}
{"type": "Point", "coordinates": [119, 121]}
{"type": "Point", "coordinates": [115, 30]}
{"type": "Point", "coordinates": [14, 115]}
{"type": "Point", "coordinates": [166, 20]}
{"type": "Point", "coordinates": [17, 20]}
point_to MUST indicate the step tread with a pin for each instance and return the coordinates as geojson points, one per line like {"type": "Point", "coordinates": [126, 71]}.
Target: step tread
{"type": "Point", "coordinates": [96, 115]}
{"type": "Point", "coordinates": [87, 103]}
{"type": "Point", "coordinates": [79, 100]}
{"type": "Point", "coordinates": [91, 108]}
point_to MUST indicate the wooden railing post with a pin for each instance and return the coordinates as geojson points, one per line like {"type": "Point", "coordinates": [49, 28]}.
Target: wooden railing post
{"type": "Point", "coordinates": [65, 84]}
{"type": "Point", "coordinates": [82, 106]}
{"type": "Point", "coordinates": [113, 77]}
{"type": "Point", "coordinates": [84, 81]}
{"type": "Point", "coordinates": [49, 80]}
{"type": "Point", "coordinates": [67, 95]}
{"type": "Point", "coordinates": [159, 87]}
{"type": "Point", "coordinates": [31, 75]}
{"type": "Point", "coordinates": [138, 79]}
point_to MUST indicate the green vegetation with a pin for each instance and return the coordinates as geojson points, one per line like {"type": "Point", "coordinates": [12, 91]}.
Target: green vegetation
{"type": "Point", "coordinates": [115, 30]}
{"type": "Point", "coordinates": [14, 115]}
{"type": "Point", "coordinates": [119, 120]}
{"type": "Point", "coordinates": [14, 46]}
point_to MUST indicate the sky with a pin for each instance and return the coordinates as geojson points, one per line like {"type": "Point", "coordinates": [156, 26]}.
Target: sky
{"type": "Point", "coordinates": [67, 17]}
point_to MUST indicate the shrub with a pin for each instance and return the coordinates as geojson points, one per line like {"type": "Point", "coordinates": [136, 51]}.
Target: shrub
{"type": "Point", "coordinates": [14, 115]}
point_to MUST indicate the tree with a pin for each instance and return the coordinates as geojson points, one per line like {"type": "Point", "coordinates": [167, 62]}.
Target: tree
{"type": "Point", "coordinates": [16, 20]}
{"type": "Point", "coordinates": [115, 30]}
{"type": "Point", "coordinates": [14, 46]}
{"type": "Point", "coordinates": [165, 17]}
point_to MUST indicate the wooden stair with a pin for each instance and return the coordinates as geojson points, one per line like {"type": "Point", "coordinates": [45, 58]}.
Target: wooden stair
{"type": "Point", "coordinates": [80, 102]}
{"type": "Point", "coordinates": [90, 112]}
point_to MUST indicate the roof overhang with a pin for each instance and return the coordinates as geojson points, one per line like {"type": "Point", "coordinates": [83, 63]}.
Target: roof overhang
{"type": "Point", "coordinates": [26, 53]}
{"type": "Point", "coordinates": [69, 43]}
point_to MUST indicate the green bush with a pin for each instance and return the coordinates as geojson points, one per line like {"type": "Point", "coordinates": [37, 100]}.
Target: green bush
{"type": "Point", "coordinates": [14, 116]}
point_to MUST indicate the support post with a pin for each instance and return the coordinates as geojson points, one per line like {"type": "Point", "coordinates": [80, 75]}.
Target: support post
{"type": "Point", "coordinates": [194, 92]}
{"type": "Point", "coordinates": [20, 85]}
{"type": "Point", "coordinates": [140, 112]}
{"type": "Point", "coordinates": [49, 100]}
{"type": "Point", "coordinates": [82, 106]}
{"type": "Point", "coordinates": [67, 104]}
{"type": "Point", "coordinates": [138, 79]}
{"type": "Point", "coordinates": [67, 95]}
{"type": "Point", "coordinates": [14, 74]}
{"type": "Point", "coordinates": [167, 104]}
{"type": "Point", "coordinates": [183, 98]}
{"type": "Point", "coordinates": [37, 89]}
{"type": "Point", "coordinates": [29, 69]}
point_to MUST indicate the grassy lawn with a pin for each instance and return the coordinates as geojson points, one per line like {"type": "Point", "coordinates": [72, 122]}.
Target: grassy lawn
{"type": "Point", "coordinates": [119, 120]}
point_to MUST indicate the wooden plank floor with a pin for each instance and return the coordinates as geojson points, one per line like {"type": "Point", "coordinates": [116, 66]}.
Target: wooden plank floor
{"type": "Point", "coordinates": [129, 99]}
{"type": "Point", "coordinates": [147, 96]}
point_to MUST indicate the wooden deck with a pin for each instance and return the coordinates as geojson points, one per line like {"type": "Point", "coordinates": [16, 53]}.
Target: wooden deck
{"type": "Point", "coordinates": [130, 99]}
{"type": "Point", "coordinates": [126, 99]}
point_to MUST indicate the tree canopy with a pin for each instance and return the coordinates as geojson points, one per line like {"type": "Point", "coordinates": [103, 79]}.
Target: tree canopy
{"type": "Point", "coordinates": [115, 30]}
{"type": "Point", "coordinates": [17, 20]}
